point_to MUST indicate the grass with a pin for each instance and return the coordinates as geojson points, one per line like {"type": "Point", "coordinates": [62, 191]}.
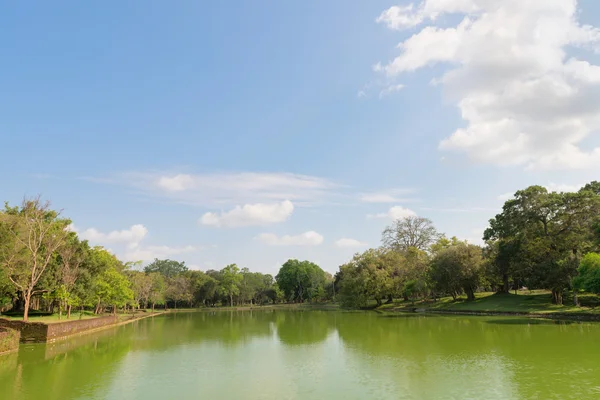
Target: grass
{"type": "Point", "coordinates": [536, 302]}
{"type": "Point", "coordinates": [54, 318]}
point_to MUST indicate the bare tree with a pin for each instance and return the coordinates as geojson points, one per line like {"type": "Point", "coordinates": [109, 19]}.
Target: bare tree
{"type": "Point", "coordinates": [33, 235]}
{"type": "Point", "coordinates": [417, 232]}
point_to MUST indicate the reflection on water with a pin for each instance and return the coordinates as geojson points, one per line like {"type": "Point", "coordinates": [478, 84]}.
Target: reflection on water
{"type": "Point", "coordinates": [276, 354]}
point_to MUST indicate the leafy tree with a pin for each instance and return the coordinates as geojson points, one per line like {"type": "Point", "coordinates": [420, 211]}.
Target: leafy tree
{"type": "Point", "coordinates": [231, 280]}
{"type": "Point", "coordinates": [589, 273]}
{"type": "Point", "coordinates": [167, 268]}
{"type": "Point", "coordinates": [141, 284]}
{"type": "Point", "coordinates": [113, 288]}
{"type": "Point", "coordinates": [179, 289]}
{"type": "Point", "coordinates": [32, 235]}
{"type": "Point", "coordinates": [458, 268]}
{"type": "Point", "coordinates": [157, 289]}
{"type": "Point", "coordinates": [300, 280]}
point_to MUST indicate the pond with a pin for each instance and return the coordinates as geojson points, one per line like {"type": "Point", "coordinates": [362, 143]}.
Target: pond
{"type": "Point", "coordinates": [280, 354]}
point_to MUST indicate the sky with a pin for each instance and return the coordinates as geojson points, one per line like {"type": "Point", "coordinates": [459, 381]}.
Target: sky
{"type": "Point", "coordinates": [255, 132]}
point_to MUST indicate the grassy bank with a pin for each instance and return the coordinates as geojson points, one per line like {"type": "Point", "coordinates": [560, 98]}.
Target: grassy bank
{"type": "Point", "coordinates": [55, 318]}
{"type": "Point", "coordinates": [534, 302]}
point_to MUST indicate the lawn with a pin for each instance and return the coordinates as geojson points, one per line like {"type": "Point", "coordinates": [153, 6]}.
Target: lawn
{"type": "Point", "coordinates": [538, 301]}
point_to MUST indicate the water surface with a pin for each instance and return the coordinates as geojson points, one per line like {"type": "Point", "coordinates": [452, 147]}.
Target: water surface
{"type": "Point", "coordinates": [275, 354]}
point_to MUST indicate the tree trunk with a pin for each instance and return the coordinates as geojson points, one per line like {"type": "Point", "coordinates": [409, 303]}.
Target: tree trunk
{"type": "Point", "coordinates": [470, 294]}
{"type": "Point", "coordinates": [231, 300]}
{"type": "Point", "coordinates": [68, 311]}
{"type": "Point", "coordinates": [152, 307]}
{"type": "Point", "coordinates": [26, 309]}
{"type": "Point", "coordinates": [505, 285]}
{"type": "Point", "coordinates": [557, 296]}
{"type": "Point", "coordinates": [390, 299]}
{"type": "Point", "coordinates": [378, 302]}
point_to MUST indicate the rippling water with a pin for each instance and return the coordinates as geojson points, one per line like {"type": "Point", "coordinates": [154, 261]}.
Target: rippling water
{"type": "Point", "coordinates": [275, 354]}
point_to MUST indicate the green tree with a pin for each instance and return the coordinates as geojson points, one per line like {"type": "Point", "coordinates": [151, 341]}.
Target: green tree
{"type": "Point", "coordinates": [300, 280]}
{"type": "Point", "coordinates": [157, 289]}
{"type": "Point", "coordinates": [589, 274]}
{"type": "Point", "coordinates": [113, 288]}
{"type": "Point", "coordinates": [413, 231]}
{"type": "Point", "coordinates": [458, 268]}
{"type": "Point", "coordinates": [32, 234]}
{"type": "Point", "coordinates": [230, 283]}
{"type": "Point", "coordinates": [167, 268]}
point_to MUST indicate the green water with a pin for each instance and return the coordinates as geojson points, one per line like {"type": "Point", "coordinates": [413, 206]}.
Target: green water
{"type": "Point", "coordinates": [313, 355]}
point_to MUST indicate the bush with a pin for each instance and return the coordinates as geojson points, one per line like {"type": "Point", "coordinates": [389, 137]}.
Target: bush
{"type": "Point", "coordinates": [589, 300]}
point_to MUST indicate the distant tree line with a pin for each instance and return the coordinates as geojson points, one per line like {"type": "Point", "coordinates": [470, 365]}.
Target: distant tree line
{"type": "Point", "coordinates": [540, 240]}
{"type": "Point", "coordinates": [44, 266]}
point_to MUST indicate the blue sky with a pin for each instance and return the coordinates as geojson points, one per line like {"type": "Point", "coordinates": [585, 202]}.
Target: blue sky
{"type": "Point", "coordinates": [149, 124]}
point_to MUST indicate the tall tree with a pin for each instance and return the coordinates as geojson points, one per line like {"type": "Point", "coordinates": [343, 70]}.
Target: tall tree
{"type": "Point", "coordinates": [413, 231]}
{"type": "Point", "coordinates": [300, 280]}
{"type": "Point", "coordinates": [33, 234]}
{"type": "Point", "coordinates": [458, 268]}
{"type": "Point", "coordinates": [231, 280]}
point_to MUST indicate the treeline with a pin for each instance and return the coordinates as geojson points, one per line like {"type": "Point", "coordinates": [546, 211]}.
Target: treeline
{"type": "Point", "coordinates": [540, 240]}
{"type": "Point", "coordinates": [44, 266]}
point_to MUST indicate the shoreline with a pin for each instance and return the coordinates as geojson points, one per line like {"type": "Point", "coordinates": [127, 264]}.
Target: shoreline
{"type": "Point", "coordinates": [583, 317]}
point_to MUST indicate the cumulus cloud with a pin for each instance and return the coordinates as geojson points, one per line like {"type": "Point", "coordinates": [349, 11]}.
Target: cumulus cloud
{"type": "Point", "coordinates": [250, 215]}
{"type": "Point", "coordinates": [128, 243]}
{"type": "Point", "coordinates": [394, 213]}
{"type": "Point", "coordinates": [524, 99]}
{"type": "Point", "coordinates": [347, 242]}
{"type": "Point", "coordinates": [310, 238]}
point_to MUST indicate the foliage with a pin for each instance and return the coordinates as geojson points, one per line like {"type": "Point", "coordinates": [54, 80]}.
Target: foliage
{"type": "Point", "coordinates": [167, 268]}
{"type": "Point", "coordinates": [589, 274]}
{"type": "Point", "coordinates": [301, 280]}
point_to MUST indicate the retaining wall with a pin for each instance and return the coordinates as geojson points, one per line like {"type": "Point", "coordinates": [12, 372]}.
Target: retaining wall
{"type": "Point", "coordinates": [9, 340]}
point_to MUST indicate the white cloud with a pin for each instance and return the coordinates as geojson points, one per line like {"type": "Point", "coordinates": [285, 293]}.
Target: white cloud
{"type": "Point", "coordinates": [394, 213]}
{"type": "Point", "coordinates": [551, 187]}
{"type": "Point", "coordinates": [524, 99]}
{"type": "Point", "coordinates": [347, 242]}
{"type": "Point", "coordinates": [129, 243]}
{"type": "Point", "coordinates": [148, 253]}
{"type": "Point", "coordinates": [175, 183]}
{"type": "Point", "coordinates": [561, 187]}
{"type": "Point", "coordinates": [361, 94]}
{"type": "Point", "coordinates": [132, 236]}
{"type": "Point", "coordinates": [250, 215]}
{"type": "Point", "coordinates": [231, 188]}
{"type": "Point", "coordinates": [390, 89]}
{"type": "Point", "coordinates": [310, 238]}
{"type": "Point", "coordinates": [386, 196]}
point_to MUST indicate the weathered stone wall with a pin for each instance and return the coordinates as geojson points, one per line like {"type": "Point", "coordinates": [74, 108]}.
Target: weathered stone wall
{"type": "Point", "coordinates": [9, 340]}
{"type": "Point", "coordinates": [30, 331]}
{"type": "Point", "coordinates": [67, 328]}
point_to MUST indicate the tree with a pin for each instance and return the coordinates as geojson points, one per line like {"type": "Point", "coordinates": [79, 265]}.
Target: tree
{"type": "Point", "coordinates": [167, 268]}
{"type": "Point", "coordinates": [179, 288]}
{"type": "Point", "coordinates": [589, 274]}
{"type": "Point", "coordinates": [71, 255]}
{"type": "Point", "coordinates": [375, 274]}
{"type": "Point", "coordinates": [300, 280]}
{"type": "Point", "coordinates": [141, 284]}
{"type": "Point", "coordinates": [32, 235]}
{"type": "Point", "coordinates": [230, 283]}
{"type": "Point", "coordinates": [458, 268]}
{"type": "Point", "coordinates": [157, 289]}
{"type": "Point", "coordinates": [113, 288]}
{"type": "Point", "coordinates": [413, 231]}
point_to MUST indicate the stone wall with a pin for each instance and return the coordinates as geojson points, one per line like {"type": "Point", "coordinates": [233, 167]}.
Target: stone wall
{"type": "Point", "coordinates": [40, 333]}
{"type": "Point", "coordinates": [67, 328]}
{"type": "Point", "coordinates": [30, 331]}
{"type": "Point", "coordinates": [9, 340]}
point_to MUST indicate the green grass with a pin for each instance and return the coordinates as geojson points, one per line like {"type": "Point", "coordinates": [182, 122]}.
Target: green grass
{"type": "Point", "coordinates": [538, 302]}
{"type": "Point", "coordinates": [54, 318]}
